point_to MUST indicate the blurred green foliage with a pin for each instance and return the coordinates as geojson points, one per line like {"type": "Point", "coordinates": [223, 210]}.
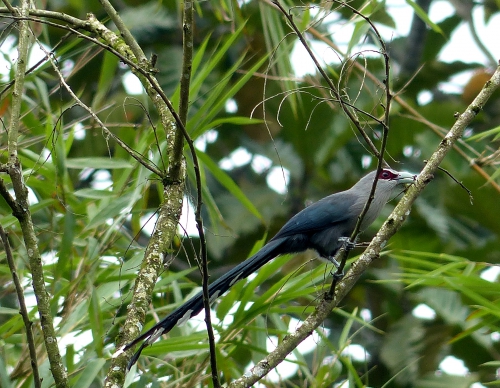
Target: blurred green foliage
{"type": "Point", "coordinates": [90, 199]}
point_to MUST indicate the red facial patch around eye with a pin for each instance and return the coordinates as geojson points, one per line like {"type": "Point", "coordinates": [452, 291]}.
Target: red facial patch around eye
{"type": "Point", "coordinates": [387, 175]}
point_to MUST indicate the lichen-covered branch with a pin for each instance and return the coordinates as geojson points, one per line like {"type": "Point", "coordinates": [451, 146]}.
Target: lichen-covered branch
{"type": "Point", "coordinates": [152, 265]}
{"type": "Point", "coordinates": [21, 207]}
{"type": "Point", "coordinates": [124, 31]}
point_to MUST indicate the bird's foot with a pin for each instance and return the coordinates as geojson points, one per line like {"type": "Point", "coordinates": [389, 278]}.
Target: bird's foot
{"type": "Point", "coordinates": [347, 244]}
{"type": "Point", "coordinates": [332, 260]}
{"type": "Point", "coordinates": [338, 275]}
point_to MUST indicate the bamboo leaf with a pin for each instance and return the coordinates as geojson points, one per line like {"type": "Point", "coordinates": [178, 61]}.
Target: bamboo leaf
{"type": "Point", "coordinates": [422, 15]}
{"type": "Point", "coordinates": [95, 162]}
{"type": "Point", "coordinates": [229, 184]}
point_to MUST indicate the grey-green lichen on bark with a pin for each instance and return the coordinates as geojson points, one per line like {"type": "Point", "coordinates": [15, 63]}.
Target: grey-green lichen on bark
{"type": "Point", "coordinates": [20, 207]}
{"type": "Point", "coordinates": [168, 212]}
{"type": "Point", "coordinates": [152, 265]}
{"type": "Point", "coordinates": [150, 84]}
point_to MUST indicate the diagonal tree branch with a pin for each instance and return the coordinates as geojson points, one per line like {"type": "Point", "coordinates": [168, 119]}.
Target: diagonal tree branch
{"type": "Point", "coordinates": [124, 31]}
{"type": "Point", "coordinates": [388, 229]}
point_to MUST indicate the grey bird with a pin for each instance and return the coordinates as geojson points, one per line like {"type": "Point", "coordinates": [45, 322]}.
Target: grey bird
{"type": "Point", "coordinates": [324, 226]}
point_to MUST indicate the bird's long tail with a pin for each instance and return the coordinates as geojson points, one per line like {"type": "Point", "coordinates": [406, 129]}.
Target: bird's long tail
{"type": "Point", "coordinates": [193, 306]}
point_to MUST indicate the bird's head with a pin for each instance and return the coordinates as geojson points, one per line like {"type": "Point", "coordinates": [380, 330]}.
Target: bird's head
{"type": "Point", "coordinates": [394, 181]}
{"type": "Point", "coordinates": [390, 183]}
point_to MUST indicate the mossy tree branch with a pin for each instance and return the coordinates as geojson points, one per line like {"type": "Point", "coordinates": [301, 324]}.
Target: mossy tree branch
{"type": "Point", "coordinates": [20, 206]}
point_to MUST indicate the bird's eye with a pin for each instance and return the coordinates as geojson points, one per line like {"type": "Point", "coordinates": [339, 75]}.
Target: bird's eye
{"type": "Point", "coordinates": [386, 175]}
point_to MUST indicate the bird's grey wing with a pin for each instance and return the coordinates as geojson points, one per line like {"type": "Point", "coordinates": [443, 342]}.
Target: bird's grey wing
{"type": "Point", "coordinates": [321, 215]}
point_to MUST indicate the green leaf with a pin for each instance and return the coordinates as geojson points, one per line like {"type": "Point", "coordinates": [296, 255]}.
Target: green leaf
{"type": "Point", "coordinates": [97, 162]}
{"type": "Point", "coordinates": [360, 30]}
{"type": "Point", "coordinates": [274, 31]}
{"type": "Point", "coordinates": [446, 303]}
{"type": "Point", "coordinates": [490, 132]}
{"type": "Point", "coordinates": [8, 311]}
{"type": "Point", "coordinates": [95, 320]}
{"type": "Point", "coordinates": [65, 251]}
{"type": "Point", "coordinates": [5, 380]}
{"type": "Point", "coordinates": [111, 210]}
{"type": "Point", "coordinates": [202, 121]}
{"type": "Point", "coordinates": [425, 18]}
{"type": "Point", "coordinates": [10, 220]}
{"type": "Point", "coordinates": [236, 120]}
{"type": "Point", "coordinates": [94, 194]}
{"type": "Point", "coordinates": [186, 345]}
{"type": "Point", "coordinates": [107, 78]}
{"type": "Point", "coordinates": [206, 70]}
{"type": "Point", "coordinates": [87, 376]}
{"type": "Point", "coordinates": [229, 184]}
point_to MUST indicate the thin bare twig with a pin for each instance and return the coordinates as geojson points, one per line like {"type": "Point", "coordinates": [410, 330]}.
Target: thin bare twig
{"type": "Point", "coordinates": [77, 23]}
{"type": "Point", "coordinates": [185, 82]}
{"type": "Point", "coordinates": [345, 251]}
{"type": "Point", "coordinates": [8, 85]}
{"type": "Point", "coordinates": [418, 116]}
{"type": "Point", "coordinates": [327, 79]}
{"type": "Point", "coordinates": [471, 198]}
{"type": "Point", "coordinates": [23, 310]}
